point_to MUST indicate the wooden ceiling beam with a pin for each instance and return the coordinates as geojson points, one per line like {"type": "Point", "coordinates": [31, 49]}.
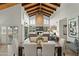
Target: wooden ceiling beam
{"type": "Point", "coordinates": [47, 10]}
{"type": "Point", "coordinates": [45, 13]}
{"type": "Point", "coordinates": [23, 4]}
{"type": "Point", "coordinates": [49, 7]}
{"type": "Point", "coordinates": [2, 3]}
{"type": "Point", "coordinates": [56, 4]}
{"type": "Point", "coordinates": [44, 7]}
{"type": "Point", "coordinates": [39, 11]}
{"type": "Point", "coordinates": [31, 6]}
{"type": "Point", "coordinates": [42, 14]}
{"type": "Point", "coordinates": [32, 10]}
{"type": "Point", "coordinates": [33, 13]}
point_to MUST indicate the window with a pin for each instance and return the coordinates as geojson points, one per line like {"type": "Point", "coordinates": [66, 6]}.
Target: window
{"type": "Point", "coordinates": [46, 23]}
{"type": "Point", "coordinates": [46, 20]}
{"type": "Point", "coordinates": [32, 20]}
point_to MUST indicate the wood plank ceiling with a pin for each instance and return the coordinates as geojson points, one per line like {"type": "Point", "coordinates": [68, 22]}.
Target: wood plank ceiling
{"type": "Point", "coordinates": [6, 5]}
{"type": "Point", "coordinates": [44, 8]}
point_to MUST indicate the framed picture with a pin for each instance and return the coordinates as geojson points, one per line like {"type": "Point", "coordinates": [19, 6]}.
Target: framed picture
{"type": "Point", "coordinates": [64, 29]}
{"type": "Point", "coordinates": [73, 27]}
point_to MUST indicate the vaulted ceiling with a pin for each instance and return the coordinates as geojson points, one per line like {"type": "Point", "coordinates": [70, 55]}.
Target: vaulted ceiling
{"type": "Point", "coordinates": [44, 8]}
{"type": "Point", "coordinates": [34, 8]}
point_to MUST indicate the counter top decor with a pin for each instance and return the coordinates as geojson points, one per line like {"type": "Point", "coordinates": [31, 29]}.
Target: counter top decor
{"type": "Point", "coordinates": [39, 40]}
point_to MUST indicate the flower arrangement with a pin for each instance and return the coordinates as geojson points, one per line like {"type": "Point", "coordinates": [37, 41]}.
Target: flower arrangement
{"type": "Point", "coordinates": [39, 39]}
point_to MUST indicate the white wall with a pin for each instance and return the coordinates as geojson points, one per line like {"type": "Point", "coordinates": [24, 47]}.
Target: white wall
{"type": "Point", "coordinates": [24, 22]}
{"type": "Point", "coordinates": [12, 17]}
{"type": "Point", "coordinates": [63, 29]}
{"type": "Point", "coordinates": [66, 10]}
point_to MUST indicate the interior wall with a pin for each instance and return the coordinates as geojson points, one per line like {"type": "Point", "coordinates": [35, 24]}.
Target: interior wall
{"type": "Point", "coordinates": [62, 28]}
{"type": "Point", "coordinates": [24, 23]}
{"type": "Point", "coordinates": [12, 17]}
{"type": "Point", "coordinates": [66, 10]}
